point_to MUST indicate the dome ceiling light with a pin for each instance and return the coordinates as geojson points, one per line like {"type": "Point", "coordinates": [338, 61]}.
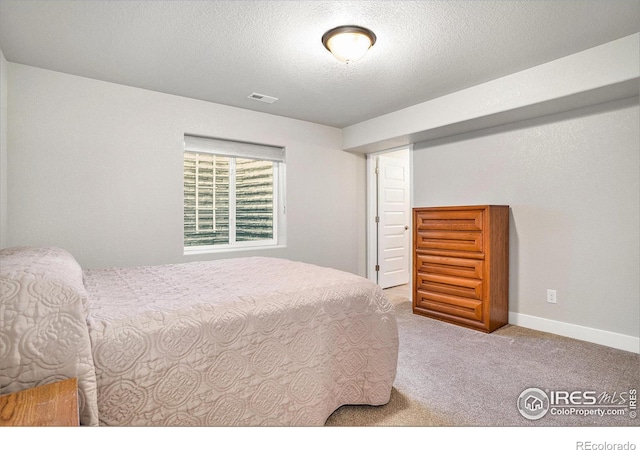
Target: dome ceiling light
{"type": "Point", "coordinates": [348, 43]}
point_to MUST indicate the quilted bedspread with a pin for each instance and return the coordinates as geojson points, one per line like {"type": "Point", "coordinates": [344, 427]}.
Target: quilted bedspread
{"type": "Point", "coordinates": [238, 342]}
{"type": "Point", "coordinates": [43, 330]}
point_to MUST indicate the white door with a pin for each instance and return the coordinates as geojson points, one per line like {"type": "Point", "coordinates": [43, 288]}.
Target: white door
{"type": "Point", "coordinates": [394, 216]}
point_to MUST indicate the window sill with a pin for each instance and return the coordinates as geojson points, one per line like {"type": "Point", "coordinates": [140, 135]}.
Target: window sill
{"type": "Point", "coordinates": [209, 250]}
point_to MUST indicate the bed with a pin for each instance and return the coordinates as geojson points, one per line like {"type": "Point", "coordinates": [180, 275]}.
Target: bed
{"type": "Point", "coordinates": [239, 342]}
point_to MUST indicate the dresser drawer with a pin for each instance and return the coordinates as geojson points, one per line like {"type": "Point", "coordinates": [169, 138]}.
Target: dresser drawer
{"type": "Point", "coordinates": [444, 284]}
{"type": "Point", "coordinates": [463, 241]}
{"type": "Point", "coordinates": [446, 265]}
{"type": "Point", "coordinates": [450, 305]}
{"type": "Point", "coordinates": [465, 220]}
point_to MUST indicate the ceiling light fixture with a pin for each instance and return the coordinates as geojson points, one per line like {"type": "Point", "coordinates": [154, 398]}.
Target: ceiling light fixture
{"type": "Point", "coordinates": [348, 43]}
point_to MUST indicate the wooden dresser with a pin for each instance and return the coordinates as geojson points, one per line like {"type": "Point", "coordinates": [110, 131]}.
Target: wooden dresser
{"type": "Point", "coordinates": [461, 265]}
{"type": "Point", "coordinates": [50, 405]}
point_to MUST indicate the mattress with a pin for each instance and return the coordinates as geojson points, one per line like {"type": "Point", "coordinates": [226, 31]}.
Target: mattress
{"type": "Point", "coordinates": [240, 342]}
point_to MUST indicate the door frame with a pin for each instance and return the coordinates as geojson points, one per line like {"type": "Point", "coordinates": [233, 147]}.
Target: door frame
{"type": "Point", "coordinates": [372, 206]}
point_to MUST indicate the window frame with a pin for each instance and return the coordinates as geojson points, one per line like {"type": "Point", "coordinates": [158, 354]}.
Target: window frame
{"type": "Point", "coordinates": [197, 144]}
{"type": "Point", "coordinates": [197, 192]}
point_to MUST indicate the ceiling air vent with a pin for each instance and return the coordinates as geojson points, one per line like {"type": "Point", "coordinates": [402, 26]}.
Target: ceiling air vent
{"type": "Point", "coordinates": [262, 98]}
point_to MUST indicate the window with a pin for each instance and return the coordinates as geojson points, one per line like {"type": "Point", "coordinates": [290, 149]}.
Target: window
{"type": "Point", "coordinates": [233, 195]}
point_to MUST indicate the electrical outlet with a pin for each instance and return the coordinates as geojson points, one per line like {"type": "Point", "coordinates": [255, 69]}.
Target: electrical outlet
{"type": "Point", "coordinates": [552, 296]}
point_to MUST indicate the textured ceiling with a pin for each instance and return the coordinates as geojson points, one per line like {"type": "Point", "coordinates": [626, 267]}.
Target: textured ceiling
{"type": "Point", "coordinates": [222, 51]}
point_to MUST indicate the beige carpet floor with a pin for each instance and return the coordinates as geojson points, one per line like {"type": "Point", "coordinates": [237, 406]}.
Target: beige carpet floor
{"type": "Point", "coordinates": [452, 376]}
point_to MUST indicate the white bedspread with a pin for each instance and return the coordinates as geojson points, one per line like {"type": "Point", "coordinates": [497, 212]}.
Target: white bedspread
{"type": "Point", "coordinates": [242, 342]}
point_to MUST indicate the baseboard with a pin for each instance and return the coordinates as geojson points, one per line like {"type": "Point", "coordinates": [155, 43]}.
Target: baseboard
{"type": "Point", "coordinates": [608, 338]}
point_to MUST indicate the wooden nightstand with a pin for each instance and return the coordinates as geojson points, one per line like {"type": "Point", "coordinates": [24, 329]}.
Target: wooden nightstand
{"type": "Point", "coordinates": [51, 405]}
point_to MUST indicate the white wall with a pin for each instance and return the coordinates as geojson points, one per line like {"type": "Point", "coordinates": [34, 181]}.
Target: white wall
{"type": "Point", "coordinates": [96, 168]}
{"type": "Point", "coordinates": [573, 183]}
{"type": "Point", "coordinates": [3, 152]}
{"type": "Point", "coordinates": [607, 72]}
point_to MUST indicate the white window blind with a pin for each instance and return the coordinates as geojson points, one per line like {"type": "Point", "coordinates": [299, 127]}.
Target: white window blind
{"type": "Point", "coordinates": [223, 147]}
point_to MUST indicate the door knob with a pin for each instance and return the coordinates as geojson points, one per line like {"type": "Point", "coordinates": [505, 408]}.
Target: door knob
{"type": "Point", "coordinates": [406, 227]}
